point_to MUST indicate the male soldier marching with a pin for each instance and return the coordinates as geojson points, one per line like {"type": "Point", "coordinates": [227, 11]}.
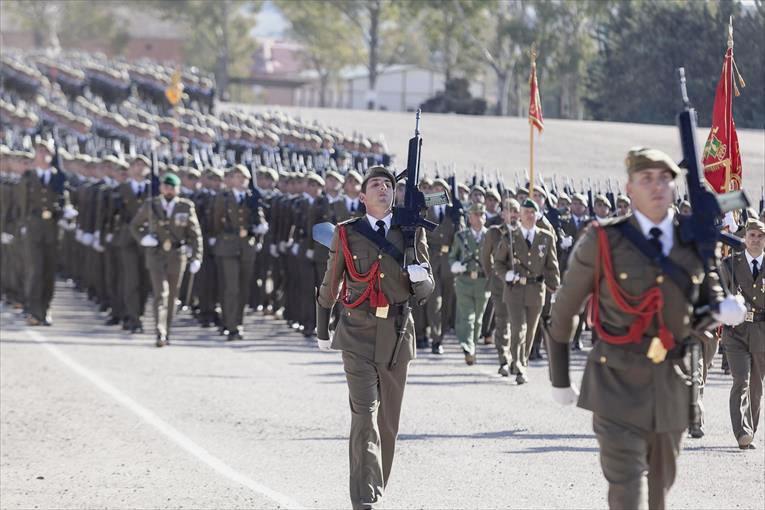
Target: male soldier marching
{"type": "Point", "coordinates": [165, 225]}
{"type": "Point", "coordinates": [639, 402]}
{"type": "Point", "coordinates": [525, 259]}
{"type": "Point", "coordinates": [743, 274]}
{"type": "Point", "coordinates": [375, 290]}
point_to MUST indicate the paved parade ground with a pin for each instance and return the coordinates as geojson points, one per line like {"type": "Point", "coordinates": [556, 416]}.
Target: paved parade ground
{"type": "Point", "coordinates": [93, 418]}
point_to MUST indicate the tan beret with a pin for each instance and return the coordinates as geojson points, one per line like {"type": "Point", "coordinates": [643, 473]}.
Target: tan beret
{"type": "Point", "coordinates": [754, 224]}
{"type": "Point", "coordinates": [312, 176]}
{"type": "Point", "coordinates": [643, 158]}
{"type": "Point", "coordinates": [477, 208]}
{"type": "Point", "coordinates": [241, 169]}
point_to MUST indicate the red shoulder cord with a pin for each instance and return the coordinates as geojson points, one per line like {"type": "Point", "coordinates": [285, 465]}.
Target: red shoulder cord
{"type": "Point", "coordinates": [371, 278]}
{"type": "Point", "coordinates": [646, 306]}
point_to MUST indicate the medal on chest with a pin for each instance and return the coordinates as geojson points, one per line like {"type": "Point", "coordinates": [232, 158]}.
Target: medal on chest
{"type": "Point", "coordinates": [167, 245]}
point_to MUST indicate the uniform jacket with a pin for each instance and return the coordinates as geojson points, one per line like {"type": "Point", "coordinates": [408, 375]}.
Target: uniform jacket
{"type": "Point", "coordinates": [620, 382]}
{"type": "Point", "coordinates": [231, 224]}
{"type": "Point", "coordinates": [467, 250]}
{"type": "Point", "coordinates": [737, 277]}
{"type": "Point", "coordinates": [180, 229]}
{"type": "Point", "coordinates": [359, 330]}
{"type": "Point", "coordinates": [490, 241]}
{"type": "Point", "coordinates": [35, 199]}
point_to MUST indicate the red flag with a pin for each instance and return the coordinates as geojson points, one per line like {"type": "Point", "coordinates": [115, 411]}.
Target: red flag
{"type": "Point", "coordinates": [721, 158]}
{"type": "Point", "coordinates": [535, 105]}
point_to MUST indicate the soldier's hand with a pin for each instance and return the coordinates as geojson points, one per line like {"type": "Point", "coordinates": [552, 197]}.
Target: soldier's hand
{"type": "Point", "coordinates": [261, 229]}
{"type": "Point", "coordinates": [6, 238]}
{"type": "Point", "coordinates": [109, 238]}
{"type": "Point", "coordinates": [194, 266]}
{"type": "Point", "coordinates": [309, 254]}
{"type": "Point", "coordinates": [512, 276]}
{"type": "Point", "coordinates": [149, 241]}
{"type": "Point", "coordinates": [87, 238]}
{"type": "Point", "coordinates": [732, 311]}
{"type": "Point", "coordinates": [417, 272]}
{"type": "Point", "coordinates": [566, 242]}
{"type": "Point", "coordinates": [295, 248]}
{"type": "Point", "coordinates": [23, 231]}
{"type": "Point", "coordinates": [273, 250]}
{"type": "Point", "coordinates": [70, 212]}
{"type": "Point", "coordinates": [324, 345]}
{"type": "Point", "coordinates": [211, 241]}
{"type": "Point", "coordinates": [458, 267]}
{"type": "Point", "coordinates": [565, 396]}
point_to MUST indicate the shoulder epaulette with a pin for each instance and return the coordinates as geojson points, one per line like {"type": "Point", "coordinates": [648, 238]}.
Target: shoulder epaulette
{"type": "Point", "coordinates": [349, 220]}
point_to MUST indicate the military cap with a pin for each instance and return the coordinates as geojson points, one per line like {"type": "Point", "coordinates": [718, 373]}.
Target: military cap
{"type": "Point", "coordinates": [378, 171]}
{"type": "Point", "coordinates": [562, 197]}
{"type": "Point", "coordinates": [440, 182]}
{"type": "Point", "coordinates": [353, 174]}
{"type": "Point", "coordinates": [193, 172]}
{"type": "Point", "coordinates": [642, 158]}
{"type": "Point", "coordinates": [579, 197]}
{"type": "Point", "coordinates": [477, 208]}
{"type": "Point", "coordinates": [114, 160]}
{"type": "Point", "coordinates": [623, 199]}
{"type": "Point", "coordinates": [314, 177]}
{"type": "Point", "coordinates": [540, 190]}
{"type": "Point", "coordinates": [212, 172]}
{"type": "Point", "coordinates": [335, 175]}
{"type": "Point", "coordinates": [478, 189]}
{"type": "Point", "coordinates": [685, 203]}
{"type": "Point", "coordinates": [242, 170]}
{"type": "Point", "coordinates": [754, 224]}
{"type": "Point", "coordinates": [530, 204]}
{"type": "Point", "coordinates": [143, 159]}
{"type": "Point", "coordinates": [45, 144]}
{"type": "Point", "coordinates": [511, 203]}
{"type": "Point", "coordinates": [522, 190]}
{"type": "Point", "coordinates": [464, 187]}
{"type": "Point", "coordinates": [491, 192]}
{"type": "Point", "coordinates": [269, 172]}
{"type": "Point", "coordinates": [601, 198]}
{"type": "Point", "coordinates": [171, 180]}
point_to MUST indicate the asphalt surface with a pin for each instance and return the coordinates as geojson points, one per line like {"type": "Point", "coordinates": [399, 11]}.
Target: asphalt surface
{"type": "Point", "coordinates": [91, 417]}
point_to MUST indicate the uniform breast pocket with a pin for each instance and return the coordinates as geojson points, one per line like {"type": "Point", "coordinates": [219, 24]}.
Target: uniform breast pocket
{"type": "Point", "coordinates": [632, 278]}
{"type": "Point", "coordinates": [361, 262]}
{"type": "Point", "coordinates": [181, 219]}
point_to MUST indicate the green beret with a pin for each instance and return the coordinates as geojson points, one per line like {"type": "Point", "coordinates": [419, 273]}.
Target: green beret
{"type": "Point", "coordinates": [754, 224]}
{"type": "Point", "coordinates": [530, 204]}
{"type": "Point", "coordinates": [378, 171]}
{"type": "Point", "coordinates": [171, 180]}
{"type": "Point", "coordinates": [643, 158]}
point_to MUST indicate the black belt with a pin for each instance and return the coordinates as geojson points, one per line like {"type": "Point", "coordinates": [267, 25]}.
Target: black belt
{"type": "Point", "coordinates": [529, 280]}
{"type": "Point", "coordinates": [756, 317]}
{"type": "Point", "coordinates": [393, 310]}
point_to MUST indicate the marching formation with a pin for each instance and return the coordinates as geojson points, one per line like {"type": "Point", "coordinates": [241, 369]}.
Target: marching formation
{"type": "Point", "coordinates": [122, 179]}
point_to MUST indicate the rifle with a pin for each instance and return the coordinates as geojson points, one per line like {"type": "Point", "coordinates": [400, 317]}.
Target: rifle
{"type": "Point", "coordinates": [701, 230]}
{"type": "Point", "coordinates": [456, 210]}
{"type": "Point", "coordinates": [409, 218]}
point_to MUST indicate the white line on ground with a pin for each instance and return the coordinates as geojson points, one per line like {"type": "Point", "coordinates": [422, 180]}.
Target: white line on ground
{"type": "Point", "coordinates": [165, 428]}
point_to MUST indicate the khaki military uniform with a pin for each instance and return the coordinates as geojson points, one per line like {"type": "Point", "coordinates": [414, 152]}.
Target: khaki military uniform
{"type": "Point", "coordinates": [471, 288]}
{"type": "Point", "coordinates": [537, 267]}
{"type": "Point", "coordinates": [640, 408]}
{"type": "Point", "coordinates": [438, 307]}
{"type": "Point", "coordinates": [368, 343]}
{"type": "Point", "coordinates": [135, 277]}
{"type": "Point", "coordinates": [166, 262]}
{"type": "Point", "coordinates": [745, 344]}
{"type": "Point", "coordinates": [497, 288]}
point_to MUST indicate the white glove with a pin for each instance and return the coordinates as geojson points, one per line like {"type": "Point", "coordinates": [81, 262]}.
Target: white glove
{"type": "Point", "coordinates": [211, 241]}
{"type": "Point", "coordinates": [149, 241]}
{"type": "Point", "coordinates": [258, 247]}
{"type": "Point", "coordinates": [97, 237]}
{"type": "Point", "coordinates": [70, 212]}
{"type": "Point", "coordinates": [194, 266]}
{"type": "Point", "coordinates": [109, 238]}
{"type": "Point", "coordinates": [512, 276]}
{"type": "Point", "coordinates": [282, 246]}
{"type": "Point", "coordinates": [260, 229]}
{"type": "Point", "coordinates": [565, 396]}
{"type": "Point", "coordinates": [71, 226]}
{"type": "Point", "coordinates": [87, 238]}
{"type": "Point", "coordinates": [97, 246]}
{"type": "Point", "coordinates": [730, 221]}
{"type": "Point", "coordinates": [63, 224]}
{"type": "Point", "coordinates": [273, 250]}
{"type": "Point", "coordinates": [23, 231]}
{"type": "Point", "coordinates": [732, 311]}
{"type": "Point", "coordinates": [566, 242]}
{"type": "Point", "coordinates": [324, 345]}
{"type": "Point", "coordinates": [417, 272]}
{"type": "Point", "coordinates": [295, 249]}
{"type": "Point", "coordinates": [6, 238]}
{"type": "Point", "coordinates": [309, 254]}
{"type": "Point", "coordinates": [458, 267]}
{"type": "Point", "coordinates": [78, 235]}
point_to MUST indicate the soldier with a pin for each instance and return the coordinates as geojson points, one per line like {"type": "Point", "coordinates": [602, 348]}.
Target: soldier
{"type": "Point", "coordinates": [511, 211]}
{"type": "Point", "coordinates": [602, 208]}
{"type": "Point", "coordinates": [164, 226]}
{"type": "Point", "coordinates": [437, 309]}
{"type": "Point", "coordinates": [525, 259]}
{"type": "Point", "coordinates": [206, 284]}
{"type": "Point", "coordinates": [492, 208]}
{"type": "Point", "coordinates": [375, 292]}
{"type": "Point", "coordinates": [471, 284]}
{"type": "Point", "coordinates": [640, 403]}
{"type": "Point", "coordinates": [234, 225]}
{"type": "Point", "coordinates": [42, 202]}
{"type": "Point", "coordinates": [622, 205]}
{"type": "Point", "coordinates": [743, 274]}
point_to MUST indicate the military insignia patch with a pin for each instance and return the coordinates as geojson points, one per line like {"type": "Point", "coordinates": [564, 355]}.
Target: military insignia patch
{"type": "Point", "coordinates": [542, 250]}
{"type": "Point", "coordinates": [181, 219]}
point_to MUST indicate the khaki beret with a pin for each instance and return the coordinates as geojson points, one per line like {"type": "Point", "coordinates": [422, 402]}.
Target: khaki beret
{"type": "Point", "coordinates": [440, 182]}
{"type": "Point", "coordinates": [643, 158]}
{"type": "Point", "coordinates": [313, 176]}
{"type": "Point", "coordinates": [562, 197]}
{"type": "Point", "coordinates": [241, 169]}
{"type": "Point", "coordinates": [212, 172]}
{"type": "Point", "coordinates": [579, 197]}
{"type": "Point", "coordinates": [114, 160]}
{"type": "Point", "coordinates": [511, 204]}
{"type": "Point", "coordinates": [142, 159]}
{"type": "Point", "coordinates": [353, 174]}
{"type": "Point", "coordinates": [601, 198]}
{"type": "Point", "coordinates": [45, 144]}
{"type": "Point", "coordinates": [522, 190]}
{"type": "Point", "coordinates": [464, 187]}
{"type": "Point", "coordinates": [623, 199]}
{"type": "Point", "coordinates": [540, 190]}
{"type": "Point", "coordinates": [757, 225]}
{"type": "Point", "coordinates": [378, 171]}
{"type": "Point", "coordinates": [335, 175]}
{"type": "Point", "coordinates": [491, 192]}
{"type": "Point", "coordinates": [478, 189]}
{"type": "Point", "coordinates": [477, 208]}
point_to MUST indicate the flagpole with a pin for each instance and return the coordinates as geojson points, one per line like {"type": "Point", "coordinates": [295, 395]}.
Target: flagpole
{"type": "Point", "coordinates": [531, 160]}
{"type": "Point", "coordinates": [731, 84]}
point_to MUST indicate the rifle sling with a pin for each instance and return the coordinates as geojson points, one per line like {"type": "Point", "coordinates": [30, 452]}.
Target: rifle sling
{"type": "Point", "coordinates": [676, 273]}
{"type": "Point", "coordinates": [365, 229]}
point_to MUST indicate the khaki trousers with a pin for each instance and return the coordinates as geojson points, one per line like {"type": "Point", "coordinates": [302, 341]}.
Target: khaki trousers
{"type": "Point", "coordinates": [40, 277]}
{"type": "Point", "coordinates": [748, 371]}
{"type": "Point", "coordinates": [639, 465]}
{"type": "Point", "coordinates": [501, 328]}
{"type": "Point", "coordinates": [165, 270]}
{"type": "Point", "coordinates": [524, 310]}
{"type": "Point", "coordinates": [375, 394]}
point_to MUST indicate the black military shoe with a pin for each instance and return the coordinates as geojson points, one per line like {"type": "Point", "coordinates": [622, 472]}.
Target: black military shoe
{"type": "Point", "coordinates": [161, 340]}
{"type": "Point", "coordinates": [437, 348]}
{"type": "Point", "coordinates": [521, 379]}
{"type": "Point", "coordinates": [422, 343]}
{"type": "Point", "coordinates": [136, 327]}
{"type": "Point", "coordinates": [112, 321]}
{"type": "Point", "coordinates": [504, 370]}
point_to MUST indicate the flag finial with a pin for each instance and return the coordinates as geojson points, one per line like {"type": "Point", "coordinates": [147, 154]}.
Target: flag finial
{"type": "Point", "coordinates": [730, 32]}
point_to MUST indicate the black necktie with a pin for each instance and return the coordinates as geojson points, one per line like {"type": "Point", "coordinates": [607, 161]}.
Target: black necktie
{"type": "Point", "coordinates": [755, 269]}
{"type": "Point", "coordinates": [528, 240]}
{"type": "Point", "coordinates": [140, 190]}
{"type": "Point", "coordinates": [353, 207]}
{"type": "Point", "coordinates": [42, 179]}
{"type": "Point", "coordinates": [655, 235]}
{"type": "Point", "coordinates": [440, 214]}
{"type": "Point", "coordinates": [380, 228]}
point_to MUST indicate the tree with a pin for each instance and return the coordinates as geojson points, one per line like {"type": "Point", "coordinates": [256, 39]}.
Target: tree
{"type": "Point", "coordinates": [220, 34]}
{"type": "Point", "coordinates": [327, 44]}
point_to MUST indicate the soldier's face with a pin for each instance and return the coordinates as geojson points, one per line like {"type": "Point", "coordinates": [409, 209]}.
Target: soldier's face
{"type": "Point", "coordinates": [378, 196]}
{"type": "Point", "coordinates": [42, 158]}
{"type": "Point", "coordinates": [491, 204]}
{"type": "Point", "coordinates": [602, 210]}
{"type": "Point", "coordinates": [652, 191]}
{"type": "Point", "coordinates": [168, 191]}
{"type": "Point", "coordinates": [510, 216]}
{"type": "Point", "coordinates": [539, 198]}
{"type": "Point", "coordinates": [477, 198]}
{"type": "Point", "coordinates": [528, 217]}
{"type": "Point", "coordinates": [755, 242]}
{"type": "Point", "coordinates": [313, 188]}
{"type": "Point", "coordinates": [578, 208]}
{"type": "Point", "coordinates": [352, 187]}
{"type": "Point", "coordinates": [477, 220]}
{"type": "Point", "coordinates": [622, 209]}
{"type": "Point", "coordinates": [238, 180]}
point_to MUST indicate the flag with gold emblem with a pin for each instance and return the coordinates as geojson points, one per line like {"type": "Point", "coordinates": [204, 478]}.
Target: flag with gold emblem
{"type": "Point", "coordinates": [535, 105]}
